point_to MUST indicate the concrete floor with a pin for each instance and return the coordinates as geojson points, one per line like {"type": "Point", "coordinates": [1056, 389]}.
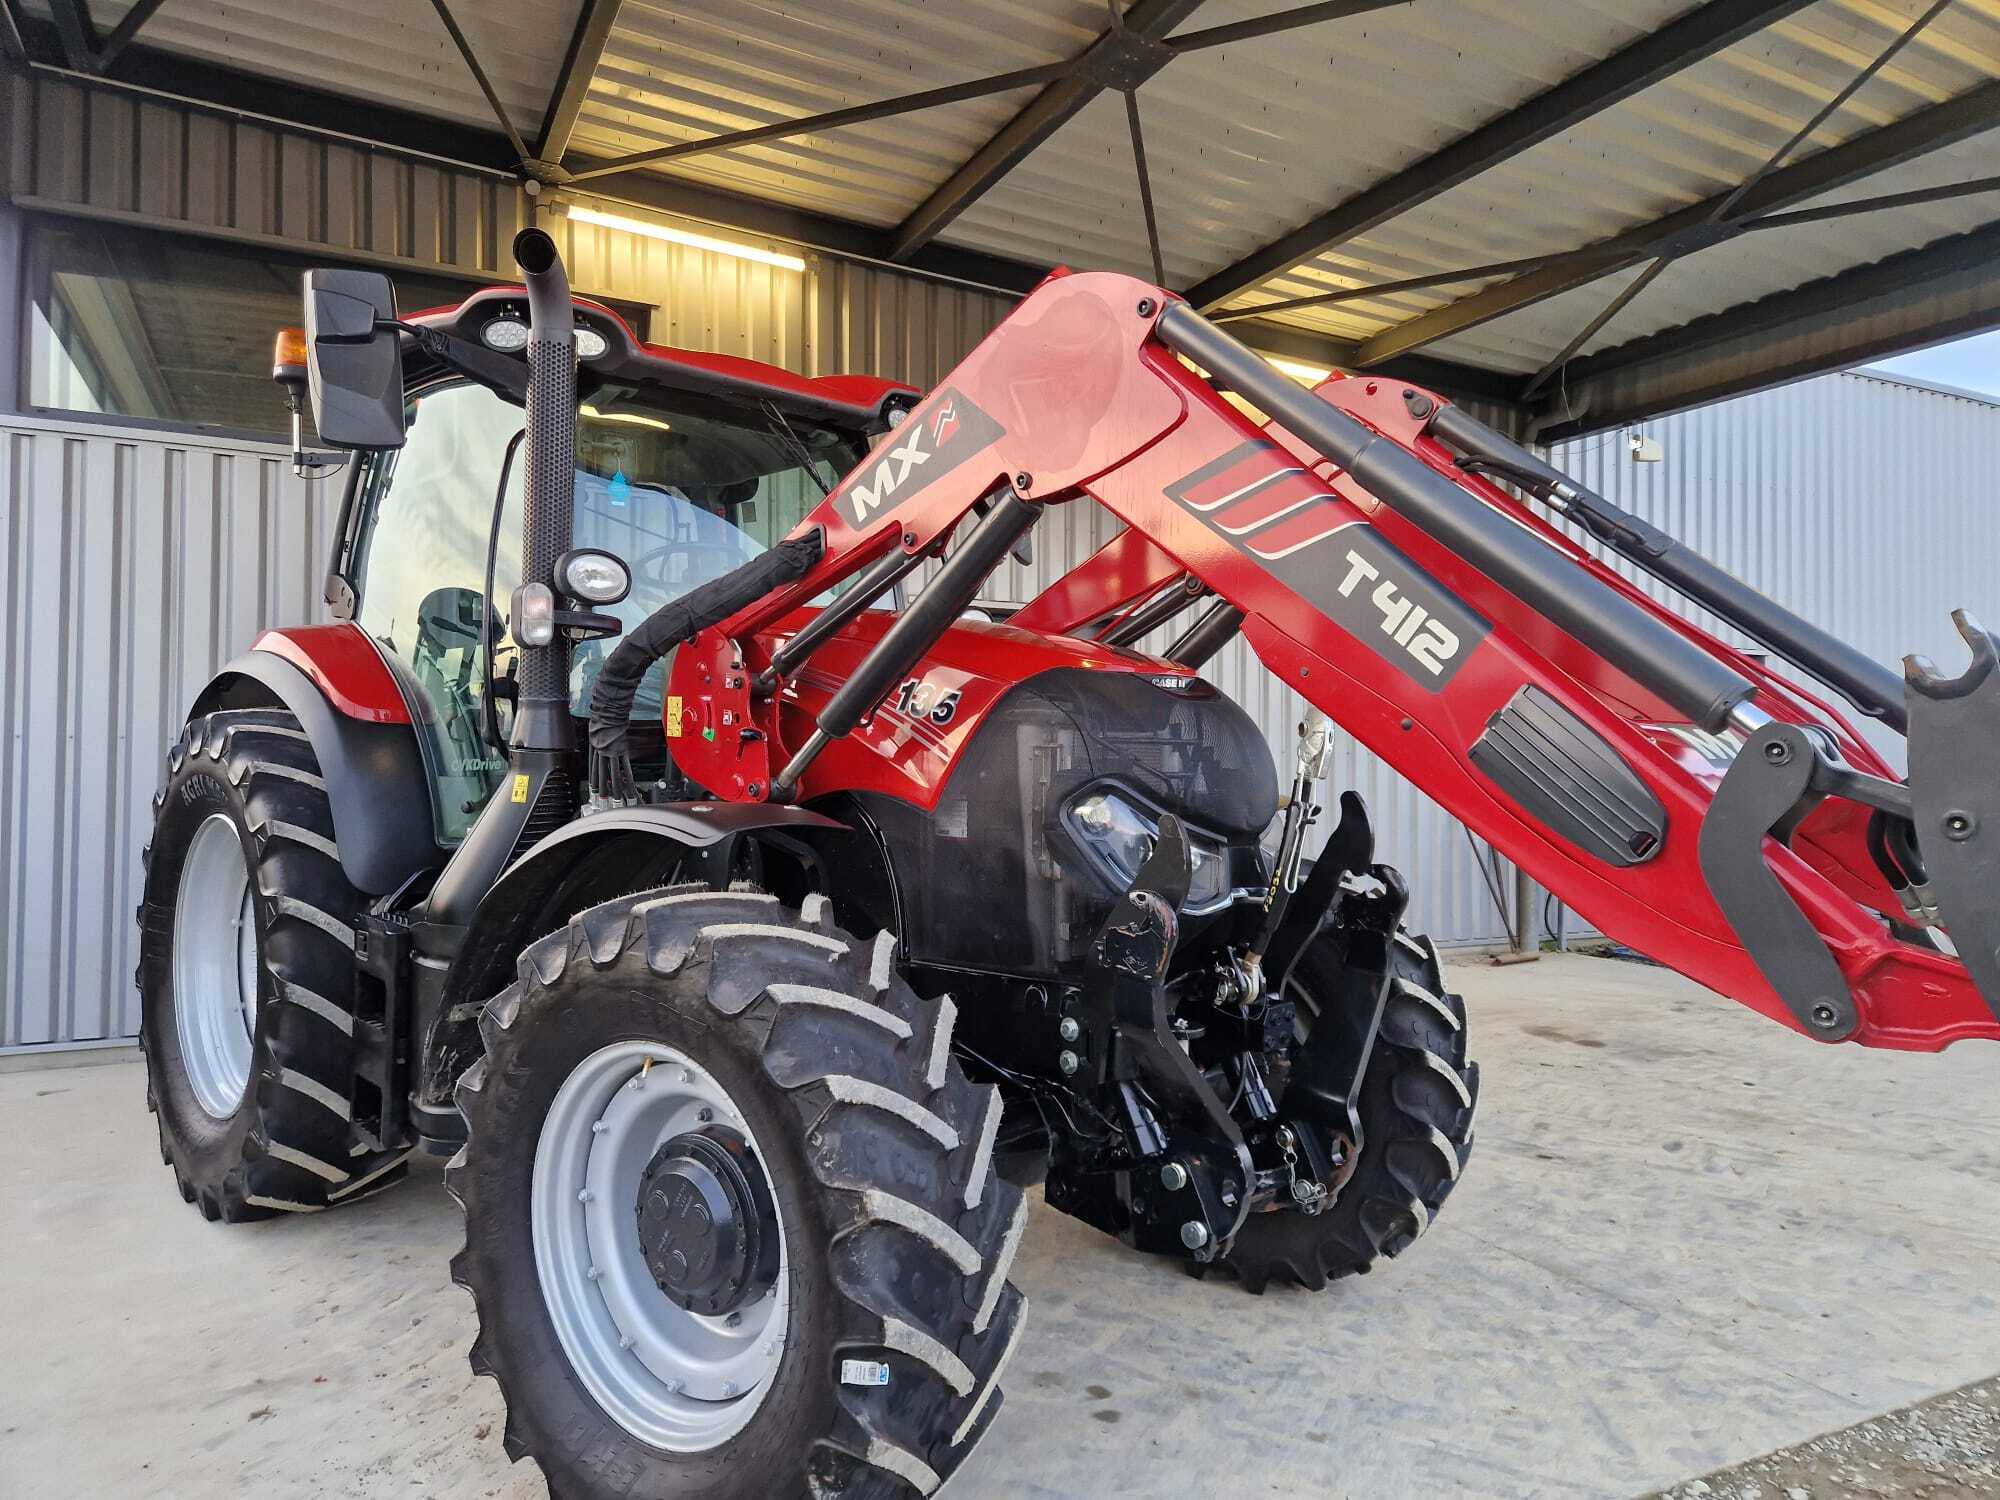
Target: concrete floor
{"type": "Point", "coordinates": [1686, 1238]}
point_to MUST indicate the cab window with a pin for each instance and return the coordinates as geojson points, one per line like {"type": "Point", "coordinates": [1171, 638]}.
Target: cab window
{"type": "Point", "coordinates": [684, 493]}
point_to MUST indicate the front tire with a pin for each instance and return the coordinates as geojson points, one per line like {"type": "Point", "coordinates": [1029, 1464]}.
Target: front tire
{"type": "Point", "coordinates": [1417, 1105]}
{"type": "Point", "coordinates": [876, 1155]}
{"type": "Point", "coordinates": [246, 977]}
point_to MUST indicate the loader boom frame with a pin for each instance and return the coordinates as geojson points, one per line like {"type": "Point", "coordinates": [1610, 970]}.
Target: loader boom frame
{"type": "Point", "coordinates": [1578, 726]}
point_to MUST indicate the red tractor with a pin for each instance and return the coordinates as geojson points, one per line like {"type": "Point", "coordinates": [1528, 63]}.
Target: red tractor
{"type": "Point", "coordinates": [752, 964]}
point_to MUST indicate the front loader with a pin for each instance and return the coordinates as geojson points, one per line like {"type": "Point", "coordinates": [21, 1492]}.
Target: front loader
{"type": "Point", "coordinates": [752, 926]}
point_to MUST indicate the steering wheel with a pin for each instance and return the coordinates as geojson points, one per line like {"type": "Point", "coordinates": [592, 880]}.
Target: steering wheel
{"type": "Point", "coordinates": [652, 567]}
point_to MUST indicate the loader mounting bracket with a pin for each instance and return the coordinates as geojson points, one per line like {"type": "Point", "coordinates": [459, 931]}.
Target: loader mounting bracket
{"type": "Point", "coordinates": [1327, 1075]}
{"type": "Point", "coordinates": [1130, 1041]}
{"type": "Point", "coordinates": [1349, 850]}
{"type": "Point", "coordinates": [1771, 778]}
{"type": "Point", "coordinates": [1954, 723]}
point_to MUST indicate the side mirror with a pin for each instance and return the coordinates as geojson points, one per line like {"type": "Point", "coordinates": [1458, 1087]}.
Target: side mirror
{"type": "Point", "coordinates": [354, 367]}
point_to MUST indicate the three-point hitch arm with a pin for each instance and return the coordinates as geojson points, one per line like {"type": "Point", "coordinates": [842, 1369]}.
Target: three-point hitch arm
{"type": "Point", "coordinates": [1681, 795]}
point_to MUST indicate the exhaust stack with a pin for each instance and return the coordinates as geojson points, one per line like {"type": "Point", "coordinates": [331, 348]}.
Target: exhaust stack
{"type": "Point", "coordinates": [542, 720]}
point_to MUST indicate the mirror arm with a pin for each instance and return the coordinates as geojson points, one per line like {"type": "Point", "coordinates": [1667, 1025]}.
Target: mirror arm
{"type": "Point", "coordinates": [498, 372]}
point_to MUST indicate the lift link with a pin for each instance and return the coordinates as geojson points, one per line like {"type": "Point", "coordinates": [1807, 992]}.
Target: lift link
{"type": "Point", "coordinates": [1767, 786]}
{"type": "Point", "coordinates": [888, 570]}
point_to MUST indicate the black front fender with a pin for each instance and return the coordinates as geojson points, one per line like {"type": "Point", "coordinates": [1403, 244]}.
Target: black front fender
{"type": "Point", "coordinates": [593, 859]}
{"type": "Point", "coordinates": [374, 773]}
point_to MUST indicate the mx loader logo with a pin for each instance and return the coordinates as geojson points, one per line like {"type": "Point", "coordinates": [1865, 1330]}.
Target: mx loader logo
{"type": "Point", "coordinates": [933, 441]}
{"type": "Point", "coordinates": [1288, 522]}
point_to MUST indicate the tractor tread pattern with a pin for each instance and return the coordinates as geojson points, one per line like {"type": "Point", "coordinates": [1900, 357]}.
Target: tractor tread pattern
{"type": "Point", "coordinates": [919, 1251]}
{"type": "Point", "coordinates": [1418, 1104]}
{"type": "Point", "coordinates": [301, 1152]}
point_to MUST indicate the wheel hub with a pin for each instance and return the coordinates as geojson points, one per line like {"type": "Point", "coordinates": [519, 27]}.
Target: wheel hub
{"type": "Point", "coordinates": [707, 1227]}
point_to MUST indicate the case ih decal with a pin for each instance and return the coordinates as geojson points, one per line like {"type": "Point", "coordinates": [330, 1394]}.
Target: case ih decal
{"type": "Point", "coordinates": [1296, 527]}
{"type": "Point", "coordinates": [934, 441]}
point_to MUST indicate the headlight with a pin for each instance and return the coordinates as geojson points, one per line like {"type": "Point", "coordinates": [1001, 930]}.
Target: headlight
{"type": "Point", "coordinates": [505, 333]}
{"type": "Point", "coordinates": [1122, 835]}
{"type": "Point", "coordinates": [589, 343]}
{"type": "Point", "coordinates": [593, 576]}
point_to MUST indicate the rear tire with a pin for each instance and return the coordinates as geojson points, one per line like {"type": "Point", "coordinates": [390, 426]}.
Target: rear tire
{"type": "Point", "coordinates": [1417, 1105]}
{"type": "Point", "coordinates": [256, 1121]}
{"type": "Point", "coordinates": [877, 1156]}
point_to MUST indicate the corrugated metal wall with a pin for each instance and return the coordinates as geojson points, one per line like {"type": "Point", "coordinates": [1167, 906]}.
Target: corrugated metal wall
{"type": "Point", "coordinates": [110, 154]}
{"type": "Point", "coordinates": [136, 565]}
{"type": "Point", "coordinates": [139, 561]}
{"type": "Point", "coordinates": [1862, 503]}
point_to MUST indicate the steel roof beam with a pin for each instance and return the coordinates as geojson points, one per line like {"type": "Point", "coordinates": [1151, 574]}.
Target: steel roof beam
{"type": "Point", "coordinates": [1148, 21]}
{"type": "Point", "coordinates": [479, 76]}
{"type": "Point", "coordinates": [13, 38]}
{"type": "Point", "coordinates": [1701, 33]}
{"type": "Point", "coordinates": [1284, 20]}
{"type": "Point", "coordinates": [74, 31]}
{"type": "Point", "coordinates": [122, 34]}
{"type": "Point", "coordinates": [1774, 323]}
{"type": "Point", "coordinates": [1724, 212]}
{"type": "Point", "coordinates": [594, 21]}
{"type": "Point", "coordinates": [833, 119]}
{"type": "Point", "coordinates": [1929, 129]}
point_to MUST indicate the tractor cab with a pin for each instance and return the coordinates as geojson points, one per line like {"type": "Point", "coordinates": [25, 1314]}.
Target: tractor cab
{"type": "Point", "coordinates": [686, 467]}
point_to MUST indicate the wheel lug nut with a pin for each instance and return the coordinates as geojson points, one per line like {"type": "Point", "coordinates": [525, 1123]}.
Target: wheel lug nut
{"type": "Point", "coordinates": [584, 1195]}
{"type": "Point", "coordinates": [705, 1114]}
{"type": "Point", "coordinates": [730, 1388]}
{"type": "Point", "coordinates": [624, 1341]}
{"type": "Point", "coordinates": [591, 1273]}
{"type": "Point", "coordinates": [734, 1320]}
{"type": "Point", "coordinates": [598, 1127]}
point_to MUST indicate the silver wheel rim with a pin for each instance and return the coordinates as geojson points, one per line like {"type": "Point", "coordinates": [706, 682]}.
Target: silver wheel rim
{"type": "Point", "coordinates": [672, 1378]}
{"type": "Point", "coordinates": [216, 967]}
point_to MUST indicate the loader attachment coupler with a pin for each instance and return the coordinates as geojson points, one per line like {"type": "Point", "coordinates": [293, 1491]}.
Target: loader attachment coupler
{"type": "Point", "coordinates": [1955, 786]}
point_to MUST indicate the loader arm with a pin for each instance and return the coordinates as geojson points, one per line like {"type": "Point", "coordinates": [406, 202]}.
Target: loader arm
{"type": "Point", "coordinates": [1688, 801]}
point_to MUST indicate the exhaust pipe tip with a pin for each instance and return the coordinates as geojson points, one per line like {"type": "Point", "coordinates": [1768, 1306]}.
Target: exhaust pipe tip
{"type": "Point", "coordinates": [534, 251]}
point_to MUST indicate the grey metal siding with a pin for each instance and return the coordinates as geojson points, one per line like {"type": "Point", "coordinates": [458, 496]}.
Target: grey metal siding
{"type": "Point", "coordinates": [109, 154]}
{"type": "Point", "coordinates": [136, 565]}
{"type": "Point", "coordinates": [1862, 503]}
{"type": "Point", "coordinates": [139, 562]}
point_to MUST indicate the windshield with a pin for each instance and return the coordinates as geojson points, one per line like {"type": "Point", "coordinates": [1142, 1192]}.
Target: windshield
{"type": "Point", "coordinates": [682, 488]}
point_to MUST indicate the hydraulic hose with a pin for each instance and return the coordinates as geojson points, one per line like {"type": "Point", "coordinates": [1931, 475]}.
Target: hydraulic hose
{"type": "Point", "coordinates": [1871, 687]}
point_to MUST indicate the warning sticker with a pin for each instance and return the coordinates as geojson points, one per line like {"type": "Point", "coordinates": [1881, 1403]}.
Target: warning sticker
{"type": "Point", "coordinates": [675, 714]}
{"type": "Point", "coordinates": [521, 787]}
{"type": "Point", "coordinates": [863, 1372]}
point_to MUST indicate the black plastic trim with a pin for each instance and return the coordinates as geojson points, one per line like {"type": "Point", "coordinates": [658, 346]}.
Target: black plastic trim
{"type": "Point", "coordinates": [1560, 770]}
{"type": "Point", "coordinates": [592, 859]}
{"type": "Point", "coordinates": [374, 773]}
